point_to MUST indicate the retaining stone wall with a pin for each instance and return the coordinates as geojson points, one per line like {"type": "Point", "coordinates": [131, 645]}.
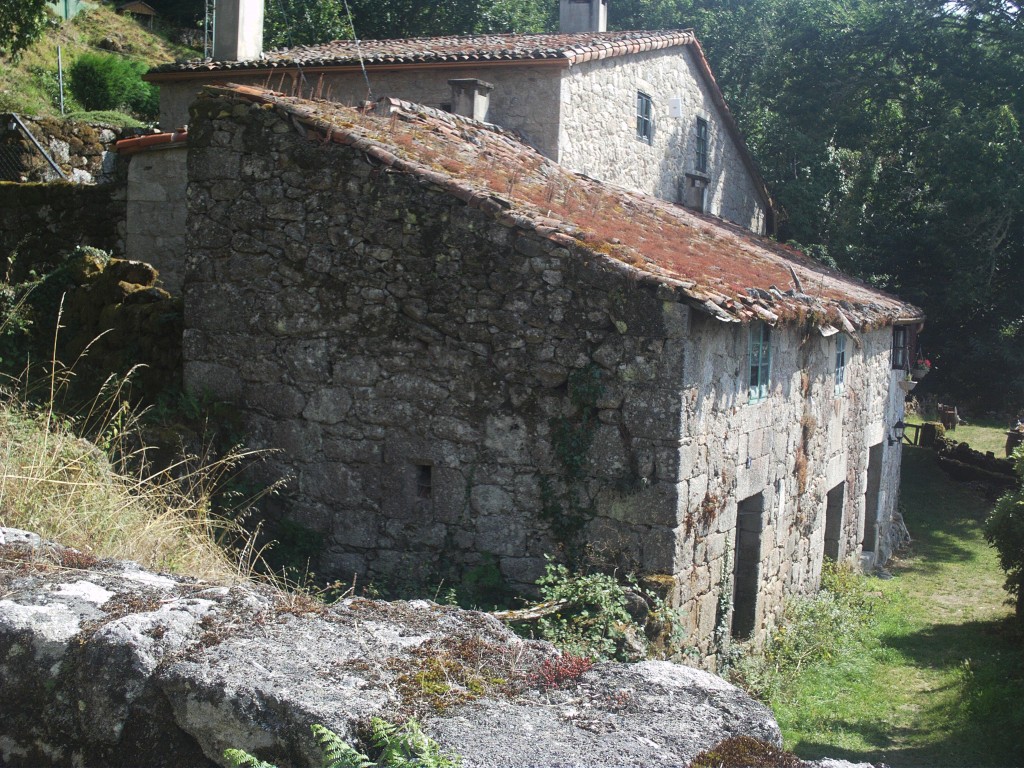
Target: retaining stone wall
{"type": "Point", "coordinates": [84, 152]}
{"type": "Point", "coordinates": [41, 223]}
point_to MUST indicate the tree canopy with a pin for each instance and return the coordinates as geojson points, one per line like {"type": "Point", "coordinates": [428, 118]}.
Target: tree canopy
{"type": "Point", "coordinates": [889, 132]}
{"type": "Point", "coordinates": [21, 24]}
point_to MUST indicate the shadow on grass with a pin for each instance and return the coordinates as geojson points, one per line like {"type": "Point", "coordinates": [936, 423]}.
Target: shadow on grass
{"type": "Point", "coordinates": [940, 513]}
{"type": "Point", "coordinates": [986, 693]}
{"type": "Point", "coordinates": [973, 712]}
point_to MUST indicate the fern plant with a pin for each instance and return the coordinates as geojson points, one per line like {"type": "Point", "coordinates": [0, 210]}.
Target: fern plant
{"type": "Point", "coordinates": [399, 746]}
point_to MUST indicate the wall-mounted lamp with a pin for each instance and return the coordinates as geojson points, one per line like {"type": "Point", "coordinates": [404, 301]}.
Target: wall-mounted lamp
{"type": "Point", "coordinates": [897, 432]}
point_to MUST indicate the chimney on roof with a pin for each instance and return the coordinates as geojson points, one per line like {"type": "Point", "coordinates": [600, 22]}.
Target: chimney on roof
{"type": "Point", "coordinates": [238, 30]}
{"type": "Point", "coordinates": [471, 97]}
{"type": "Point", "coordinates": [582, 16]}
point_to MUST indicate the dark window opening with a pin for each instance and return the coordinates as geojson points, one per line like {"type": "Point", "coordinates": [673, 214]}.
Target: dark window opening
{"type": "Point", "coordinates": [644, 117]}
{"type": "Point", "coordinates": [900, 347]}
{"type": "Point", "coordinates": [424, 482]}
{"type": "Point", "coordinates": [834, 521]}
{"type": "Point", "coordinates": [871, 495]}
{"type": "Point", "coordinates": [747, 567]}
{"type": "Point", "coordinates": [702, 145]}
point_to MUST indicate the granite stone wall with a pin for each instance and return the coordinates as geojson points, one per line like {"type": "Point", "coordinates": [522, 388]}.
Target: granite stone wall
{"type": "Point", "coordinates": [446, 389]}
{"type": "Point", "coordinates": [155, 211]}
{"type": "Point", "coordinates": [442, 387]}
{"type": "Point", "coordinates": [599, 133]}
{"type": "Point", "coordinates": [84, 152]}
{"type": "Point", "coordinates": [806, 438]}
{"type": "Point", "coordinates": [525, 99]}
{"type": "Point", "coordinates": [584, 117]}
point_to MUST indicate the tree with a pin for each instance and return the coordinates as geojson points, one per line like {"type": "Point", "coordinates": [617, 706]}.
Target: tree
{"type": "Point", "coordinates": [21, 24]}
{"type": "Point", "coordinates": [890, 134]}
{"type": "Point", "coordinates": [1004, 530]}
{"type": "Point", "coordinates": [288, 23]}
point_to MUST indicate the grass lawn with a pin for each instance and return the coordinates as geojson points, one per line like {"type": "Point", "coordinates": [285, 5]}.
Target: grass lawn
{"type": "Point", "coordinates": [981, 434]}
{"type": "Point", "coordinates": [938, 680]}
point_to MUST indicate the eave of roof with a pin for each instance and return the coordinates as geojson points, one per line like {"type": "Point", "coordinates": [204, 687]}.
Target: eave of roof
{"type": "Point", "coordinates": [478, 50]}
{"type": "Point", "coordinates": [716, 267]}
{"type": "Point", "coordinates": [558, 50]}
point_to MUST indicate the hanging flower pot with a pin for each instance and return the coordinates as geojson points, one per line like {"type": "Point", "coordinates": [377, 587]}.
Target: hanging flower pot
{"type": "Point", "coordinates": [921, 368]}
{"type": "Point", "coordinates": [907, 384]}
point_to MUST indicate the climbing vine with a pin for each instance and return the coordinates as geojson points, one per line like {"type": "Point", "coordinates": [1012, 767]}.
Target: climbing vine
{"type": "Point", "coordinates": [572, 437]}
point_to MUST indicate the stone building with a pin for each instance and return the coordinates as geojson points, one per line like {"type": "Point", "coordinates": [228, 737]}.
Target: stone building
{"type": "Point", "coordinates": [468, 354]}
{"type": "Point", "coordinates": [637, 109]}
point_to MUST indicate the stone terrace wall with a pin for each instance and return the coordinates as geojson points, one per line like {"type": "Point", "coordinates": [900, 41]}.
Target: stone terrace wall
{"type": "Point", "coordinates": [84, 152]}
{"type": "Point", "coordinates": [411, 356]}
{"type": "Point", "coordinates": [42, 222]}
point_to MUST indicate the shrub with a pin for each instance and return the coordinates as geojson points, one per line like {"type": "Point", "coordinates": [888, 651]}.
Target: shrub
{"type": "Point", "coordinates": [104, 82]}
{"type": "Point", "coordinates": [594, 616]}
{"type": "Point", "coordinates": [812, 629]}
{"type": "Point", "coordinates": [745, 752]}
{"type": "Point", "coordinates": [560, 671]}
{"type": "Point", "coordinates": [1004, 530]}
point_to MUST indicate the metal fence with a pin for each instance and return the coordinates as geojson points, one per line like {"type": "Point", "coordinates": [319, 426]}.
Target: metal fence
{"type": "Point", "coordinates": [22, 157]}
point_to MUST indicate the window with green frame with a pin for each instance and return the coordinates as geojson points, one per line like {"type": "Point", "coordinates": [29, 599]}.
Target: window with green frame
{"type": "Point", "coordinates": [760, 359]}
{"type": "Point", "coordinates": [840, 362]}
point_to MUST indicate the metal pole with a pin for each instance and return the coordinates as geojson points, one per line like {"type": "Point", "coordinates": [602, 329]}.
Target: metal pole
{"type": "Point", "coordinates": [60, 78]}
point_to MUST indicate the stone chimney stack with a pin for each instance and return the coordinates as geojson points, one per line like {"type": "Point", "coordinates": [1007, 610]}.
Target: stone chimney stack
{"type": "Point", "coordinates": [471, 97]}
{"type": "Point", "coordinates": [238, 30]}
{"type": "Point", "coordinates": [582, 16]}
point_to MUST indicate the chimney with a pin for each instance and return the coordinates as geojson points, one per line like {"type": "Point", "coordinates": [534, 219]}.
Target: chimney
{"type": "Point", "coordinates": [238, 30]}
{"type": "Point", "coordinates": [471, 97]}
{"type": "Point", "coordinates": [582, 16]}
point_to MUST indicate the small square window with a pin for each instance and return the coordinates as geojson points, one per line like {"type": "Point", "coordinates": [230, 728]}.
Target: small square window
{"type": "Point", "coordinates": [644, 117]}
{"type": "Point", "coordinates": [760, 359]}
{"type": "Point", "coordinates": [840, 363]}
{"type": "Point", "coordinates": [701, 158]}
{"type": "Point", "coordinates": [424, 482]}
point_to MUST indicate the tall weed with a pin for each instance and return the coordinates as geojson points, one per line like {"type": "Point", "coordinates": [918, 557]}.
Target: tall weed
{"type": "Point", "coordinates": [812, 629]}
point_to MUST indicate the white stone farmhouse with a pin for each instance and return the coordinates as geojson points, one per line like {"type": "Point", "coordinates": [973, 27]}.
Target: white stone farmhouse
{"type": "Point", "coordinates": [520, 302]}
{"type": "Point", "coordinates": [637, 109]}
{"type": "Point", "coordinates": [470, 355]}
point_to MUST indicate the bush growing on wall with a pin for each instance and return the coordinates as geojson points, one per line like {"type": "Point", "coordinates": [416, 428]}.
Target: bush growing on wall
{"type": "Point", "coordinates": [101, 81]}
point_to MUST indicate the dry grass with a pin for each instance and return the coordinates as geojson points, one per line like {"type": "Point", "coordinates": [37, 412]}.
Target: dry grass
{"type": "Point", "coordinates": [64, 487]}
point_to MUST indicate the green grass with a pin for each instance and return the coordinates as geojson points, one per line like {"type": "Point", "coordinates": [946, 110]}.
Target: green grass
{"type": "Point", "coordinates": [29, 85]}
{"type": "Point", "coordinates": [938, 678]}
{"type": "Point", "coordinates": [981, 434]}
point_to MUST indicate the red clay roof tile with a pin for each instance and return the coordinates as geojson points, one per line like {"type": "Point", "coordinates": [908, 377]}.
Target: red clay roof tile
{"type": "Point", "coordinates": [716, 266]}
{"type": "Point", "coordinates": [570, 48]}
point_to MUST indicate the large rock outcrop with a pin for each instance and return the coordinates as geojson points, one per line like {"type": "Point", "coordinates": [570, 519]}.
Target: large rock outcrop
{"type": "Point", "coordinates": [103, 663]}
